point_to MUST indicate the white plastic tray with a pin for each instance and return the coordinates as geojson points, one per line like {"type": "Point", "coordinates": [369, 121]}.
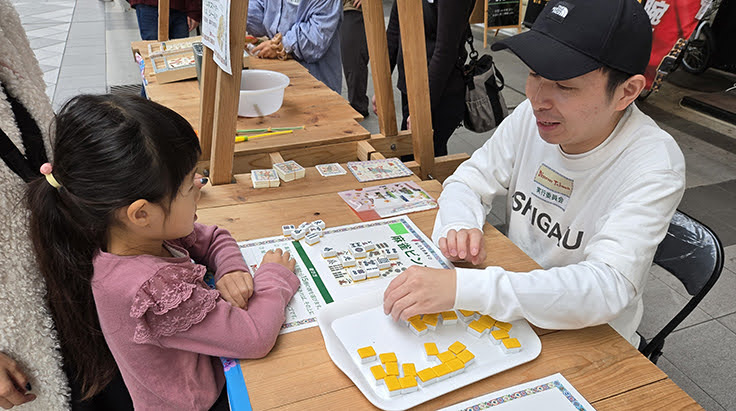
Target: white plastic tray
{"type": "Point", "coordinates": [358, 322]}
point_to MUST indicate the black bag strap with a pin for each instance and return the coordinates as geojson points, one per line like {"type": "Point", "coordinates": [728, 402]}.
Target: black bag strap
{"type": "Point", "coordinates": [26, 167]}
{"type": "Point", "coordinates": [468, 70]}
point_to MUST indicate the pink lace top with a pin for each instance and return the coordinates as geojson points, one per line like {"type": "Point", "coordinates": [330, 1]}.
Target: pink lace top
{"type": "Point", "coordinates": [166, 327]}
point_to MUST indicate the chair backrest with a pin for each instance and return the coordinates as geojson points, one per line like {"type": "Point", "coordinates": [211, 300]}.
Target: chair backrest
{"type": "Point", "coordinates": [693, 253]}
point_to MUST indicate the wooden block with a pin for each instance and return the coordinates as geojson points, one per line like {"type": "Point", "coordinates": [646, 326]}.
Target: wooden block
{"type": "Point", "coordinates": [466, 357]}
{"type": "Point", "coordinates": [498, 335]}
{"type": "Point", "coordinates": [298, 234]}
{"type": "Point", "coordinates": [427, 376]}
{"type": "Point", "coordinates": [378, 373]}
{"type": "Point", "coordinates": [476, 329]}
{"type": "Point", "coordinates": [430, 350]}
{"type": "Point", "coordinates": [264, 178]}
{"type": "Point", "coordinates": [408, 384]}
{"type": "Point", "coordinates": [388, 357]}
{"type": "Point", "coordinates": [328, 252]}
{"type": "Point", "coordinates": [432, 320]}
{"type": "Point", "coordinates": [366, 354]}
{"type": "Point", "coordinates": [287, 229]}
{"type": "Point", "coordinates": [392, 385]}
{"type": "Point", "coordinates": [510, 345]}
{"type": "Point", "coordinates": [449, 317]}
{"type": "Point", "coordinates": [358, 274]}
{"type": "Point", "coordinates": [456, 348]}
{"type": "Point", "coordinates": [392, 368]}
{"type": "Point", "coordinates": [347, 260]}
{"type": "Point", "coordinates": [503, 326]}
{"type": "Point", "coordinates": [312, 238]}
{"type": "Point", "coordinates": [445, 356]}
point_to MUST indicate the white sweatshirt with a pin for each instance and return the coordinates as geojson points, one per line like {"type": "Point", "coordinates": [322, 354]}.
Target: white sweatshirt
{"type": "Point", "coordinates": [592, 221]}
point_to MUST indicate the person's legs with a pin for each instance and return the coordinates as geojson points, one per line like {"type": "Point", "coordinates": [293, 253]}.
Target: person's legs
{"type": "Point", "coordinates": [148, 23]}
{"type": "Point", "coordinates": [445, 120]}
{"type": "Point", "coordinates": [178, 25]}
{"type": "Point", "coordinates": [354, 49]}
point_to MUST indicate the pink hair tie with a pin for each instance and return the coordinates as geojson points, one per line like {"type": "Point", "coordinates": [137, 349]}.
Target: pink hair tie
{"type": "Point", "coordinates": [46, 171]}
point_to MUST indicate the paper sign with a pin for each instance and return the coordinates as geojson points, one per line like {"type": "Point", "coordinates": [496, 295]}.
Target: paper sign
{"type": "Point", "coordinates": [216, 31]}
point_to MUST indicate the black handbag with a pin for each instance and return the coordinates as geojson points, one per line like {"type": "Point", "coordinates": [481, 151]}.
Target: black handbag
{"type": "Point", "coordinates": [485, 106]}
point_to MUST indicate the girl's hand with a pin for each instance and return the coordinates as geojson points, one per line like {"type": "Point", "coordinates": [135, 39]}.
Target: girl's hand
{"type": "Point", "coordinates": [279, 257]}
{"type": "Point", "coordinates": [13, 384]}
{"type": "Point", "coordinates": [236, 288]}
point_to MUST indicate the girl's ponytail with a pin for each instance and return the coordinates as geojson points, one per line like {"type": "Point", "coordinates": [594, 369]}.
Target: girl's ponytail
{"type": "Point", "coordinates": [65, 250]}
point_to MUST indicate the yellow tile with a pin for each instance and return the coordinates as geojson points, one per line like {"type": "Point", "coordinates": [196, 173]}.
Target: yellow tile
{"type": "Point", "coordinates": [431, 349]}
{"type": "Point", "coordinates": [445, 356]}
{"type": "Point", "coordinates": [431, 319]}
{"type": "Point", "coordinates": [426, 374]}
{"type": "Point", "coordinates": [378, 372]}
{"type": "Point", "coordinates": [466, 356]}
{"type": "Point", "coordinates": [487, 321]}
{"type": "Point", "coordinates": [388, 357]}
{"type": "Point", "coordinates": [466, 313]}
{"type": "Point", "coordinates": [499, 334]}
{"type": "Point", "coordinates": [511, 343]}
{"type": "Point", "coordinates": [504, 326]}
{"type": "Point", "coordinates": [409, 369]}
{"type": "Point", "coordinates": [414, 317]}
{"type": "Point", "coordinates": [408, 382]}
{"type": "Point", "coordinates": [366, 352]}
{"type": "Point", "coordinates": [455, 364]}
{"type": "Point", "coordinates": [456, 348]}
{"type": "Point", "coordinates": [477, 326]}
{"type": "Point", "coordinates": [449, 315]}
{"type": "Point", "coordinates": [392, 383]}
{"type": "Point", "coordinates": [392, 368]}
{"type": "Point", "coordinates": [441, 370]}
{"type": "Point", "coordinates": [418, 324]}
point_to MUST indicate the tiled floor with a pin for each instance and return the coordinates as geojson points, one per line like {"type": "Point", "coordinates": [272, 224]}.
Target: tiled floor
{"type": "Point", "coordinates": [82, 46]}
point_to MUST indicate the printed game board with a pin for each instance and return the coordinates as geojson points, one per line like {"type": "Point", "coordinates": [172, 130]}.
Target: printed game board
{"type": "Point", "coordinates": [378, 169]}
{"type": "Point", "coordinates": [373, 203]}
{"type": "Point", "coordinates": [324, 280]}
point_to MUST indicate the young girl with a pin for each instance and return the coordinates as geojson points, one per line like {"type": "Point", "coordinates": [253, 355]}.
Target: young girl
{"type": "Point", "coordinates": [113, 224]}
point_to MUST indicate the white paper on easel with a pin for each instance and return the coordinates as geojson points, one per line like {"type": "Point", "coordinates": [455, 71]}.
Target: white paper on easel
{"type": "Point", "coordinates": [216, 31]}
{"type": "Point", "coordinates": [552, 393]}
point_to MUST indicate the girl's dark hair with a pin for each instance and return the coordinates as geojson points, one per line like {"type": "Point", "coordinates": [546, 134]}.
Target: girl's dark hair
{"type": "Point", "coordinates": [109, 151]}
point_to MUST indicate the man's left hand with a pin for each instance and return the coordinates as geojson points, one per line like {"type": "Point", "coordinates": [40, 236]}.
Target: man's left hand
{"type": "Point", "coordinates": [193, 24]}
{"type": "Point", "coordinates": [420, 290]}
{"type": "Point", "coordinates": [236, 288]}
{"type": "Point", "coordinates": [265, 50]}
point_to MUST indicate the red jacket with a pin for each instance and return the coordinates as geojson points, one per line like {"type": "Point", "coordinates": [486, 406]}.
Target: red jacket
{"type": "Point", "coordinates": [193, 8]}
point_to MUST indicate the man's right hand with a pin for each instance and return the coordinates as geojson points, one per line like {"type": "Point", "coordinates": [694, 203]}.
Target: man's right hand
{"type": "Point", "coordinates": [13, 384]}
{"type": "Point", "coordinates": [464, 245]}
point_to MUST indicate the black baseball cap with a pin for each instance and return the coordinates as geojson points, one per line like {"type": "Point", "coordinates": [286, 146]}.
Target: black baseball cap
{"type": "Point", "coordinates": [574, 37]}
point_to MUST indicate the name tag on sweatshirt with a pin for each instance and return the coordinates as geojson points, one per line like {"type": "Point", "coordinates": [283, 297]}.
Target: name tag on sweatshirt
{"type": "Point", "coordinates": [552, 187]}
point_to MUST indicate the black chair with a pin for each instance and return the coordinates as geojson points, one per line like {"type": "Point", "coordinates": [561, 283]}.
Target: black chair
{"type": "Point", "coordinates": [693, 253]}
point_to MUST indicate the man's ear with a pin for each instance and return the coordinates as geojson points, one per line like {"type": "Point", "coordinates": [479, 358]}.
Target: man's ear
{"type": "Point", "coordinates": [138, 213]}
{"type": "Point", "coordinates": [630, 89]}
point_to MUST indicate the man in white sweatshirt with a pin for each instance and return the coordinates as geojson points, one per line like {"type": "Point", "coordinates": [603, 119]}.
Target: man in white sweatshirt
{"type": "Point", "coordinates": [591, 183]}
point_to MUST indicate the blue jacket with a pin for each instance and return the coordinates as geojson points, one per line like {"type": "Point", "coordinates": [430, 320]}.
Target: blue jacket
{"type": "Point", "coordinates": [311, 33]}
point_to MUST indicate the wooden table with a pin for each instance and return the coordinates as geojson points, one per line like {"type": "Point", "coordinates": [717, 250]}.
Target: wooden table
{"type": "Point", "coordinates": [332, 127]}
{"type": "Point", "coordinates": [298, 374]}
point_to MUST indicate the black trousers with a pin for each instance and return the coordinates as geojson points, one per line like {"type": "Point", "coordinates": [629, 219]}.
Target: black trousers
{"type": "Point", "coordinates": [354, 49]}
{"type": "Point", "coordinates": [445, 120]}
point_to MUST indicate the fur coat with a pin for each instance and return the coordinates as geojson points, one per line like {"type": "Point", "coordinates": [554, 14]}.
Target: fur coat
{"type": "Point", "coordinates": [26, 328]}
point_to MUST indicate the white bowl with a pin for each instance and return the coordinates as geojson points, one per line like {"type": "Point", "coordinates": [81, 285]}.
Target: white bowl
{"type": "Point", "coordinates": [261, 92]}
